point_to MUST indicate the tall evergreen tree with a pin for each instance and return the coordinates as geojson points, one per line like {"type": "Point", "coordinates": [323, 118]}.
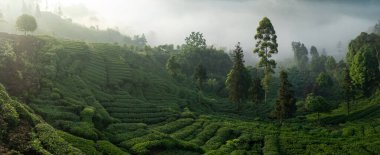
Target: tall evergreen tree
{"type": "Point", "coordinates": [238, 79]}
{"type": "Point", "coordinates": [266, 46]}
{"type": "Point", "coordinates": [286, 103]}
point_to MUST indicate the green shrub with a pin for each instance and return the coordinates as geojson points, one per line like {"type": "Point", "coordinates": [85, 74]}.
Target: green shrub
{"type": "Point", "coordinates": [107, 148]}
{"type": "Point", "coordinates": [205, 134]}
{"type": "Point", "coordinates": [348, 131]}
{"type": "Point", "coordinates": [9, 113]}
{"type": "Point", "coordinates": [222, 135]}
{"type": "Point", "coordinates": [187, 113]}
{"type": "Point", "coordinates": [186, 131]}
{"type": "Point", "coordinates": [176, 125]}
{"type": "Point", "coordinates": [52, 142]}
{"type": "Point", "coordinates": [117, 138]}
{"type": "Point", "coordinates": [271, 145]}
{"type": "Point", "coordinates": [125, 127]}
{"type": "Point", "coordinates": [86, 146]}
{"type": "Point", "coordinates": [55, 96]}
{"type": "Point", "coordinates": [87, 114]}
{"type": "Point", "coordinates": [82, 129]}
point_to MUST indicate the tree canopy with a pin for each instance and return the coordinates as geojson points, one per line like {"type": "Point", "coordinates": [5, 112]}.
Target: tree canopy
{"type": "Point", "coordinates": [195, 41]}
{"type": "Point", "coordinates": [364, 61]}
{"type": "Point", "coordinates": [26, 23]}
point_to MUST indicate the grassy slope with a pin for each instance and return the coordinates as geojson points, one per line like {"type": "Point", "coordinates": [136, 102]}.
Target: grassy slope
{"type": "Point", "coordinates": [112, 100]}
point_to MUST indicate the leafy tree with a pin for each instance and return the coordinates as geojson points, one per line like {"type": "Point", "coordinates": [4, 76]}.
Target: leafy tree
{"type": "Point", "coordinates": [238, 79]}
{"type": "Point", "coordinates": [364, 61]}
{"type": "Point", "coordinates": [286, 103]}
{"type": "Point", "coordinates": [266, 46]}
{"type": "Point", "coordinates": [173, 67]}
{"type": "Point", "coordinates": [195, 41]}
{"type": "Point", "coordinates": [347, 87]}
{"type": "Point", "coordinates": [26, 23]}
{"type": "Point", "coordinates": [200, 76]}
{"type": "Point", "coordinates": [300, 54]}
{"type": "Point", "coordinates": [316, 104]}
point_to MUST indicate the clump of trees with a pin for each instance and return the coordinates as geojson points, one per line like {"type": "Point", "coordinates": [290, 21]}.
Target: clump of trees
{"type": "Point", "coordinates": [363, 59]}
{"type": "Point", "coordinates": [184, 61]}
{"type": "Point", "coordinates": [26, 23]}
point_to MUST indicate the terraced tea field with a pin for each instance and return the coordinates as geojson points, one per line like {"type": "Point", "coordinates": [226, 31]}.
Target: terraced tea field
{"type": "Point", "coordinates": [108, 99]}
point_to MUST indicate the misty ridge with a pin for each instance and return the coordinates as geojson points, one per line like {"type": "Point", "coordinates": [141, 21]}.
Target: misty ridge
{"type": "Point", "coordinates": [326, 24]}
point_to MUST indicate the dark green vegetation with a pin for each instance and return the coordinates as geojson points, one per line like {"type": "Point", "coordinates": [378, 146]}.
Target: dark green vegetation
{"type": "Point", "coordinates": [97, 98]}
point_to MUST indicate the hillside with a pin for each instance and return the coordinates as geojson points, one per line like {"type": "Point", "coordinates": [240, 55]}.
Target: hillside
{"type": "Point", "coordinates": [60, 27]}
{"type": "Point", "coordinates": [106, 99]}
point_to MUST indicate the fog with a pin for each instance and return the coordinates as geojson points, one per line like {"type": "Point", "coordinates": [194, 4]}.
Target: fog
{"type": "Point", "coordinates": [226, 22]}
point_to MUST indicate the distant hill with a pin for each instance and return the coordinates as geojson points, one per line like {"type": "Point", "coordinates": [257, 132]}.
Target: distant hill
{"type": "Point", "coordinates": [54, 25]}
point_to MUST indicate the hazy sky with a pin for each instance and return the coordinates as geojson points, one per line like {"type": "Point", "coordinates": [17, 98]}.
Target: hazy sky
{"type": "Point", "coordinates": [226, 22]}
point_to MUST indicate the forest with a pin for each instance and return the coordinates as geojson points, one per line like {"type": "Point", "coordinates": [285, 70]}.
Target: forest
{"type": "Point", "coordinates": [71, 88]}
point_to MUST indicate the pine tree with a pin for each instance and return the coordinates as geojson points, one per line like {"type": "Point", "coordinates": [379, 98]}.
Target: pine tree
{"type": "Point", "coordinates": [286, 103]}
{"type": "Point", "coordinates": [238, 79]}
{"type": "Point", "coordinates": [266, 46]}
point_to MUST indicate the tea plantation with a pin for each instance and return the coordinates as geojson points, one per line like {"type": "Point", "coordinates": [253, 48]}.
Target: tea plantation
{"type": "Point", "coordinates": [73, 97]}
